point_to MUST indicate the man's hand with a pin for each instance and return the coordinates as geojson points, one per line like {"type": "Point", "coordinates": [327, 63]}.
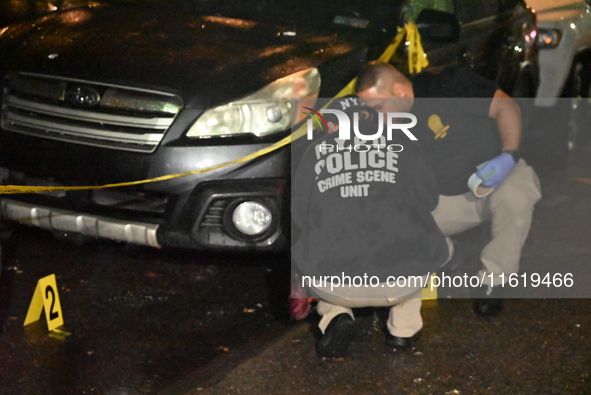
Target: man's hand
{"type": "Point", "coordinates": [494, 171]}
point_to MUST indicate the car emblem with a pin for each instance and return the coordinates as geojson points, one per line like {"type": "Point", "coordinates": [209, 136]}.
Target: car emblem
{"type": "Point", "coordinates": [82, 96]}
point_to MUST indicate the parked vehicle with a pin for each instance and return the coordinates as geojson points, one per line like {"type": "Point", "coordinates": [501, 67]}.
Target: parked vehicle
{"type": "Point", "coordinates": [496, 38]}
{"type": "Point", "coordinates": [564, 41]}
{"type": "Point", "coordinates": [134, 90]}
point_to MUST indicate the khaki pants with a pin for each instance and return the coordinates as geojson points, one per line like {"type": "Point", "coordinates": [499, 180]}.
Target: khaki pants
{"type": "Point", "coordinates": [404, 319]}
{"type": "Point", "coordinates": [509, 208]}
{"type": "Point", "coordinates": [405, 314]}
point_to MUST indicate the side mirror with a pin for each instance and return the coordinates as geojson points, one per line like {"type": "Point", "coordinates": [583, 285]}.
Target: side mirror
{"type": "Point", "coordinates": [438, 26]}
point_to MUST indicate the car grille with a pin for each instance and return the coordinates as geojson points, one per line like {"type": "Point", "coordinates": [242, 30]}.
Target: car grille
{"type": "Point", "coordinates": [89, 113]}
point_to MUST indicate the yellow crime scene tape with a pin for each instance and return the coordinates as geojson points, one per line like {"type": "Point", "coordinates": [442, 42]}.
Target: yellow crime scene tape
{"type": "Point", "coordinates": [417, 60]}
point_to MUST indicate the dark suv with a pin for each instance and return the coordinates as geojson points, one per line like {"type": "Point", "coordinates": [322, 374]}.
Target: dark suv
{"type": "Point", "coordinates": [123, 91]}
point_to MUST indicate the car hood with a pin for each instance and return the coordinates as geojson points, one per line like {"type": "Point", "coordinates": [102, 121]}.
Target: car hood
{"type": "Point", "coordinates": [168, 49]}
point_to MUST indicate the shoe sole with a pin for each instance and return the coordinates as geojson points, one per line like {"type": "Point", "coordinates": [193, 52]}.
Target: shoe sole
{"type": "Point", "coordinates": [410, 342]}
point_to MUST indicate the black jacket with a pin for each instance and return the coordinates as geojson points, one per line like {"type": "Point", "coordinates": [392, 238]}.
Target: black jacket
{"type": "Point", "coordinates": [359, 227]}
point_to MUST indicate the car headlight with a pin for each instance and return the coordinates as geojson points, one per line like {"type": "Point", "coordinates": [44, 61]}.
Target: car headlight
{"type": "Point", "coordinates": [252, 218]}
{"type": "Point", "coordinates": [549, 38]}
{"type": "Point", "coordinates": [262, 113]}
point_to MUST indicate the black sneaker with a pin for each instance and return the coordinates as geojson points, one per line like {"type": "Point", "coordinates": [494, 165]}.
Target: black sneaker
{"type": "Point", "coordinates": [402, 342]}
{"type": "Point", "coordinates": [488, 302]}
{"type": "Point", "coordinates": [337, 338]}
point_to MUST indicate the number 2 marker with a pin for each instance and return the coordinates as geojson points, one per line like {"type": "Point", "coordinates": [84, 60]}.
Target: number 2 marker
{"type": "Point", "coordinates": [46, 297]}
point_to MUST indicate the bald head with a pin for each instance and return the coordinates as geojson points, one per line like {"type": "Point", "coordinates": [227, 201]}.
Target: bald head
{"type": "Point", "coordinates": [385, 88]}
{"type": "Point", "coordinates": [381, 76]}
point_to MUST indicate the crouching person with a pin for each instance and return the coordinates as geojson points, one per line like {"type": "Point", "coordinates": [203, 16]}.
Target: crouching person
{"type": "Point", "coordinates": [367, 236]}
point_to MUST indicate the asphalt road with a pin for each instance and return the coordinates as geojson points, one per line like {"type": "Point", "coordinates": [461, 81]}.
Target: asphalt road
{"type": "Point", "coordinates": [140, 319]}
{"type": "Point", "coordinates": [169, 321]}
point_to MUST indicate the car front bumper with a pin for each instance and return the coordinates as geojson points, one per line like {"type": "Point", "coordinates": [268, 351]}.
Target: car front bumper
{"type": "Point", "coordinates": [192, 211]}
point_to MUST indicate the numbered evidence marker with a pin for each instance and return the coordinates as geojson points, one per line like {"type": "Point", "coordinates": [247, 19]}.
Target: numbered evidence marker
{"type": "Point", "coordinates": [46, 296]}
{"type": "Point", "coordinates": [430, 291]}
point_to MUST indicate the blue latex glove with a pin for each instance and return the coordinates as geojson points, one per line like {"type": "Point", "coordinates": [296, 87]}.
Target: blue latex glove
{"type": "Point", "coordinates": [494, 171]}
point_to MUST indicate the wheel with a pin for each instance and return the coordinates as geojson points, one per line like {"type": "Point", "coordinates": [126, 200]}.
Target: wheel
{"type": "Point", "coordinates": [578, 90]}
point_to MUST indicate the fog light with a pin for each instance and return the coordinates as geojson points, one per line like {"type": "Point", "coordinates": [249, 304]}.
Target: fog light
{"type": "Point", "coordinates": [252, 218]}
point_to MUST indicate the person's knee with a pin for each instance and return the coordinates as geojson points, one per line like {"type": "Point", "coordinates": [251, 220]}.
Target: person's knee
{"type": "Point", "coordinates": [519, 196]}
{"type": "Point", "coordinates": [517, 203]}
{"type": "Point", "coordinates": [523, 184]}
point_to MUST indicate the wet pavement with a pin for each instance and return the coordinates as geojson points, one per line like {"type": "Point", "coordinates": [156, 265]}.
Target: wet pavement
{"type": "Point", "coordinates": [536, 346]}
{"type": "Point", "coordinates": [140, 319]}
{"type": "Point", "coordinates": [175, 322]}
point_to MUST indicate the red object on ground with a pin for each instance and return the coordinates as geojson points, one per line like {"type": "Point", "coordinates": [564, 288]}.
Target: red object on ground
{"type": "Point", "coordinates": [299, 303]}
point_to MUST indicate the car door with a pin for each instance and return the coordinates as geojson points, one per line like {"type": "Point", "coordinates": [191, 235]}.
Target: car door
{"type": "Point", "coordinates": [486, 30]}
{"type": "Point", "coordinates": [484, 26]}
{"type": "Point", "coordinates": [478, 22]}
